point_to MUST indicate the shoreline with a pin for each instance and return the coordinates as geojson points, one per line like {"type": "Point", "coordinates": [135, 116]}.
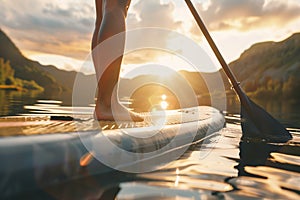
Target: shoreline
{"type": "Point", "coordinates": [12, 88]}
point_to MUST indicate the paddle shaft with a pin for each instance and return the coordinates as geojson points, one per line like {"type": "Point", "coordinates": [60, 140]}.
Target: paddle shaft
{"type": "Point", "coordinates": [215, 49]}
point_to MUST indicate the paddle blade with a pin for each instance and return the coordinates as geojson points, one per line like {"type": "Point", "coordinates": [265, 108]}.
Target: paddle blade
{"type": "Point", "coordinates": [258, 124]}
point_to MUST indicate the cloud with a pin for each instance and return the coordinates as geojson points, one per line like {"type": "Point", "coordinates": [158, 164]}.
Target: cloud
{"type": "Point", "coordinates": [153, 13]}
{"type": "Point", "coordinates": [65, 27]}
{"type": "Point", "coordinates": [49, 26]}
{"type": "Point", "coordinates": [247, 15]}
{"type": "Point", "coordinates": [150, 14]}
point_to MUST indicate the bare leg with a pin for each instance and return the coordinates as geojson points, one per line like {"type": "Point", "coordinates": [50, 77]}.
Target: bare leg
{"type": "Point", "coordinates": [99, 17]}
{"type": "Point", "coordinates": [110, 21]}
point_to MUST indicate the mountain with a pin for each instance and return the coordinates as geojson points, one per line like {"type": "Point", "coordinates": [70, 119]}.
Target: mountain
{"type": "Point", "coordinates": [265, 70]}
{"type": "Point", "coordinates": [66, 78]}
{"type": "Point", "coordinates": [26, 69]}
{"type": "Point", "coordinates": [271, 69]}
{"type": "Point", "coordinates": [53, 80]}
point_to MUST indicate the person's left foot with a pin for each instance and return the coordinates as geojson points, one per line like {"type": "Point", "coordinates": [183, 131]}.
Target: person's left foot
{"type": "Point", "coordinates": [117, 112]}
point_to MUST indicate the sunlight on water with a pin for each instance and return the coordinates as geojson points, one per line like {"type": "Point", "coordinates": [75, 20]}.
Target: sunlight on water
{"type": "Point", "coordinates": [51, 107]}
{"type": "Point", "coordinates": [286, 159]}
{"type": "Point", "coordinates": [49, 102]}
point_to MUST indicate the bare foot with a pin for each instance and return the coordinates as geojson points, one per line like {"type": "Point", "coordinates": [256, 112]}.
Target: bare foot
{"type": "Point", "coordinates": [116, 112]}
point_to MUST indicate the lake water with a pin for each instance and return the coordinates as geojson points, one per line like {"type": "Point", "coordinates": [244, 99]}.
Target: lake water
{"type": "Point", "coordinates": [223, 168]}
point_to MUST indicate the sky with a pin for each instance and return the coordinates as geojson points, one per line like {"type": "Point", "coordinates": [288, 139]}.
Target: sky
{"type": "Point", "coordinates": [59, 32]}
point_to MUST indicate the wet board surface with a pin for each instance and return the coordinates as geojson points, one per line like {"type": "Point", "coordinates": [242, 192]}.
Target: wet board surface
{"type": "Point", "coordinates": [43, 145]}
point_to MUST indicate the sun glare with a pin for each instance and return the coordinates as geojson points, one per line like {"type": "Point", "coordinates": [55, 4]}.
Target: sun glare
{"type": "Point", "coordinates": [164, 105]}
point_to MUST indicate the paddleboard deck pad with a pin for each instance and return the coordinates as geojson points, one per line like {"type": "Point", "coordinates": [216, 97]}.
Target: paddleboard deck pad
{"type": "Point", "coordinates": [37, 151]}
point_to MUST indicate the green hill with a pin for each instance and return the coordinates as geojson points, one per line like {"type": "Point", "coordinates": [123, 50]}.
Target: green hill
{"type": "Point", "coordinates": [26, 69]}
{"type": "Point", "coordinates": [50, 78]}
{"type": "Point", "coordinates": [271, 69]}
{"type": "Point", "coordinates": [8, 80]}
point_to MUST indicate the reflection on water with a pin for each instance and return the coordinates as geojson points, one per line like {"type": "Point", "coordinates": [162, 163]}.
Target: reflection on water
{"type": "Point", "coordinates": [16, 102]}
{"type": "Point", "coordinates": [287, 113]}
{"type": "Point", "coordinates": [221, 168]}
{"type": "Point", "coordinates": [12, 102]}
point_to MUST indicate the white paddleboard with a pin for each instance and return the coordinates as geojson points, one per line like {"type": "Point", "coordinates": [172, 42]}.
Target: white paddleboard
{"type": "Point", "coordinates": [39, 151]}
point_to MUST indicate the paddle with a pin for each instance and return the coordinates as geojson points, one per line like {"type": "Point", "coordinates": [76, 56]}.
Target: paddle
{"type": "Point", "coordinates": [256, 122]}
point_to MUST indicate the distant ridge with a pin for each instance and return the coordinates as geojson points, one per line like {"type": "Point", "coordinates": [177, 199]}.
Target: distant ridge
{"type": "Point", "coordinates": [265, 70]}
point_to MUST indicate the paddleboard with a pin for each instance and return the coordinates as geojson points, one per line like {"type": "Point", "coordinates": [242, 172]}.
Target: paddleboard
{"type": "Point", "coordinates": [37, 151]}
